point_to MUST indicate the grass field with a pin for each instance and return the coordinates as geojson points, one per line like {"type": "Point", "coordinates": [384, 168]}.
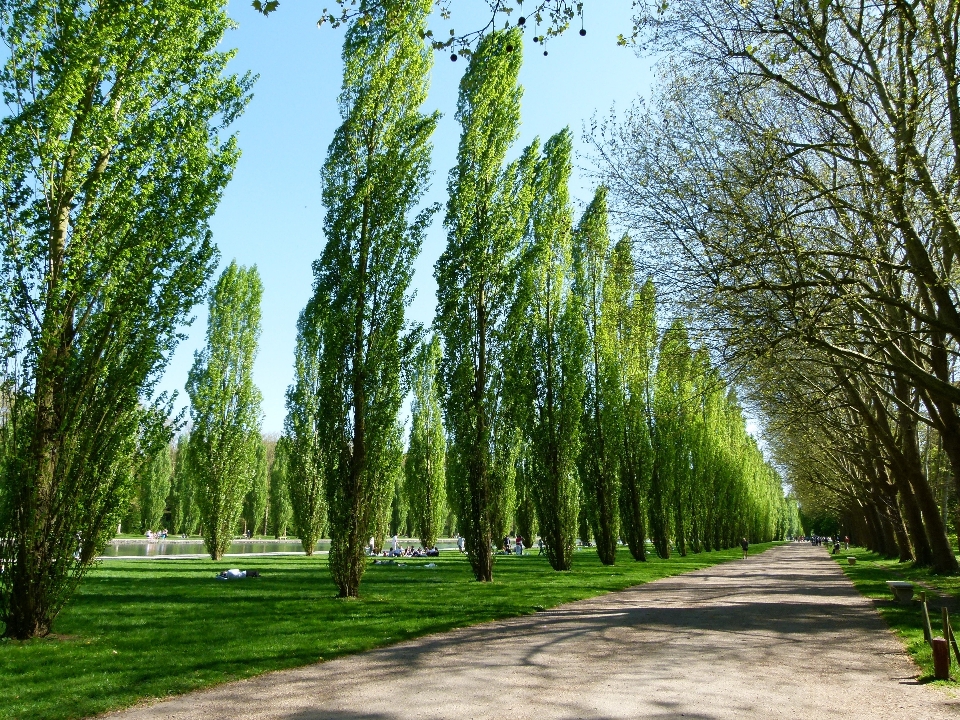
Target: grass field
{"type": "Point", "coordinates": [151, 628]}
{"type": "Point", "coordinates": [870, 575]}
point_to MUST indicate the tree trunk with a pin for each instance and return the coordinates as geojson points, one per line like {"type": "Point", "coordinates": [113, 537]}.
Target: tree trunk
{"type": "Point", "coordinates": [632, 516]}
{"type": "Point", "coordinates": [477, 530]}
{"type": "Point", "coordinates": [942, 558]}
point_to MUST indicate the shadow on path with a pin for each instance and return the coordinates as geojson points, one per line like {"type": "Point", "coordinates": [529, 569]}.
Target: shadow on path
{"type": "Point", "coordinates": [782, 634]}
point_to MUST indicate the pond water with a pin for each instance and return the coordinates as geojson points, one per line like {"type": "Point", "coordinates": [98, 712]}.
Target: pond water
{"type": "Point", "coordinates": [160, 548]}
{"type": "Point", "coordinates": [180, 548]}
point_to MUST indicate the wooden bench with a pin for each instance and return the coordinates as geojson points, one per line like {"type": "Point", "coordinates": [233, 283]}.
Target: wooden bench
{"type": "Point", "coordinates": [902, 591]}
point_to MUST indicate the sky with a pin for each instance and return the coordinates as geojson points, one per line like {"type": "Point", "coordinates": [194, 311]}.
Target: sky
{"type": "Point", "coordinates": [271, 214]}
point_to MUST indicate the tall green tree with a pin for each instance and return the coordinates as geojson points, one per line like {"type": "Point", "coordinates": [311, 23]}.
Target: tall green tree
{"type": "Point", "coordinates": [254, 512]}
{"type": "Point", "coordinates": [424, 469]}
{"type": "Point", "coordinates": [154, 481]}
{"type": "Point", "coordinates": [113, 160]}
{"type": "Point", "coordinates": [374, 178]}
{"type": "Point", "coordinates": [399, 514]}
{"type": "Point", "coordinates": [628, 323]}
{"type": "Point", "coordinates": [281, 511]}
{"type": "Point", "coordinates": [598, 463]}
{"type": "Point", "coordinates": [553, 378]}
{"type": "Point", "coordinates": [225, 405]}
{"type": "Point", "coordinates": [526, 512]}
{"type": "Point", "coordinates": [305, 446]}
{"type": "Point", "coordinates": [184, 513]}
{"type": "Point", "coordinates": [671, 442]}
{"type": "Point", "coordinates": [390, 514]}
{"type": "Point", "coordinates": [487, 211]}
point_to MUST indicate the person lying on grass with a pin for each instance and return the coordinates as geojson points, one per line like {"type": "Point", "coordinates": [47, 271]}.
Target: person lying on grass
{"type": "Point", "coordinates": [237, 574]}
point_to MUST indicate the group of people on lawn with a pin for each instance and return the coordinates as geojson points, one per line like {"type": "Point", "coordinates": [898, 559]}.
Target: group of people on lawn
{"type": "Point", "coordinates": [395, 549]}
{"type": "Point", "coordinates": [516, 549]}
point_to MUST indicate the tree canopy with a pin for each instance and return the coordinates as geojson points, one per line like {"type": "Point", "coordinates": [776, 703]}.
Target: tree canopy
{"type": "Point", "coordinates": [114, 159]}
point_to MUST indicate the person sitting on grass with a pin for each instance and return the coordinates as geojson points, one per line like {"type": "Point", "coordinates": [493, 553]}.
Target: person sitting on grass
{"type": "Point", "coordinates": [433, 552]}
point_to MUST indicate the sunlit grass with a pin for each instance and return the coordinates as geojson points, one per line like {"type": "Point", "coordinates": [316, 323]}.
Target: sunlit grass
{"type": "Point", "coordinates": [870, 576]}
{"type": "Point", "coordinates": [152, 628]}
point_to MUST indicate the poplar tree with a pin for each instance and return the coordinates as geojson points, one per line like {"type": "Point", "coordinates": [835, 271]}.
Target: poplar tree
{"type": "Point", "coordinates": [629, 321]}
{"type": "Point", "coordinates": [554, 332]}
{"type": "Point", "coordinates": [375, 176]}
{"type": "Point", "coordinates": [526, 512]}
{"type": "Point", "coordinates": [225, 405]}
{"type": "Point", "coordinates": [486, 213]}
{"type": "Point", "coordinates": [599, 461]}
{"type": "Point", "coordinates": [424, 469]}
{"type": "Point", "coordinates": [255, 503]}
{"type": "Point", "coordinates": [184, 513]}
{"type": "Point", "coordinates": [392, 511]}
{"type": "Point", "coordinates": [154, 488]}
{"type": "Point", "coordinates": [114, 158]}
{"type": "Point", "coordinates": [305, 437]}
{"type": "Point", "coordinates": [281, 512]}
{"type": "Point", "coordinates": [671, 442]}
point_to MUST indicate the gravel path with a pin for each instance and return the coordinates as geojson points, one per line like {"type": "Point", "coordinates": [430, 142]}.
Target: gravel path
{"type": "Point", "coordinates": [780, 635]}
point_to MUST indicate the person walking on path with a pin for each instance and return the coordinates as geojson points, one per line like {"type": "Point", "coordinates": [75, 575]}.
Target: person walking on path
{"type": "Point", "coordinates": [745, 546]}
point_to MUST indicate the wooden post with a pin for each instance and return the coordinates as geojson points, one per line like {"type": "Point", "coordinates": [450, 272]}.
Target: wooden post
{"type": "Point", "coordinates": [953, 641]}
{"type": "Point", "coordinates": [941, 659]}
{"type": "Point", "coordinates": [945, 618]}
{"type": "Point", "coordinates": [927, 631]}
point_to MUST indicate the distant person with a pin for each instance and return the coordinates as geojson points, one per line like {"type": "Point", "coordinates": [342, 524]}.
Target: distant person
{"type": "Point", "coordinates": [506, 544]}
{"type": "Point", "coordinates": [461, 545]}
{"type": "Point", "coordinates": [395, 549]}
{"type": "Point", "coordinates": [519, 545]}
{"type": "Point", "coordinates": [846, 542]}
{"type": "Point", "coordinates": [540, 545]}
{"type": "Point", "coordinates": [745, 546]}
{"type": "Point", "coordinates": [836, 546]}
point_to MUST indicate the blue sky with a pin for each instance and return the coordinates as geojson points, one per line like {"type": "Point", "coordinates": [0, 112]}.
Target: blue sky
{"type": "Point", "coordinates": [271, 214]}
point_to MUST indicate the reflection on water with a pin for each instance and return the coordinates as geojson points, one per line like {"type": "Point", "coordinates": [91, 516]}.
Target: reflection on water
{"type": "Point", "coordinates": [161, 548]}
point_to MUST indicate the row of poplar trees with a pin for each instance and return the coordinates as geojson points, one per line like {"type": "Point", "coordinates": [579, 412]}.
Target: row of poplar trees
{"type": "Point", "coordinates": [795, 181]}
{"type": "Point", "coordinates": [222, 476]}
{"type": "Point", "coordinates": [167, 493]}
{"type": "Point", "coordinates": [540, 390]}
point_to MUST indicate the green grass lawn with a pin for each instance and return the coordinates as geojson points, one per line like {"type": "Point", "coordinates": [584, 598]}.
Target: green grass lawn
{"type": "Point", "coordinates": [151, 628]}
{"type": "Point", "coordinates": [870, 575]}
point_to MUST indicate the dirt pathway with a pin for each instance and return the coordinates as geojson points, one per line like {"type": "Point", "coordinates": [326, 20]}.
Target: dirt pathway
{"type": "Point", "coordinates": [781, 635]}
